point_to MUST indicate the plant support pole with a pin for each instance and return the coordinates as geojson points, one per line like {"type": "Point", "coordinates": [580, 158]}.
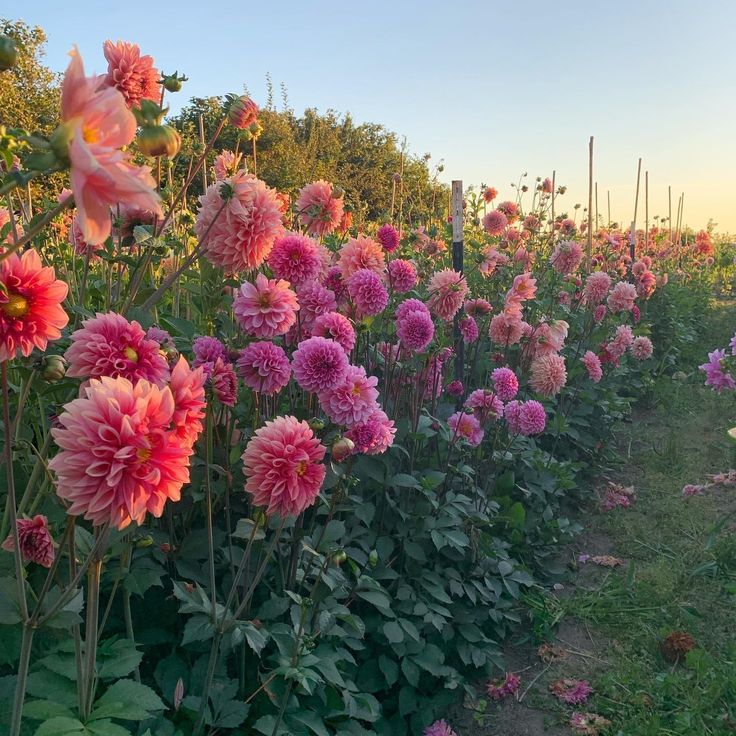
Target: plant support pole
{"type": "Point", "coordinates": [457, 264]}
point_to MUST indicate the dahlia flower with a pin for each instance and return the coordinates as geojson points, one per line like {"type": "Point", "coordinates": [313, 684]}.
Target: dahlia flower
{"type": "Point", "coordinates": [410, 305]}
{"type": "Point", "coordinates": [266, 308]}
{"type": "Point", "coordinates": [402, 276]}
{"type": "Point", "coordinates": [467, 427]}
{"type": "Point", "coordinates": [489, 194]}
{"type": "Point", "coordinates": [621, 298]}
{"type": "Point", "coordinates": [505, 383]}
{"type": "Point", "coordinates": [30, 305]}
{"type": "Point", "coordinates": [133, 75]}
{"type": "Point", "coordinates": [283, 466]}
{"type": "Point", "coordinates": [319, 364]}
{"type": "Point", "coordinates": [447, 292]}
{"type": "Point", "coordinates": [596, 287]}
{"type": "Point", "coordinates": [264, 367]}
{"type": "Point", "coordinates": [358, 253]}
{"type": "Point", "coordinates": [374, 436]}
{"type": "Point", "coordinates": [477, 307]}
{"type": "Point", "coordinates": [207, 350]}
{"type": "Point", "coordinates": [119, 458]}
{"type": "Point", "coordinates": [500, 689]}
{"type": "Point", "coordinates": [314, 300]}
{"type": "Point", "coordinates": [495, 222]}
{"type": "Point", "coordinates": [532, 418]}
{"type": "Point", "coordinates": [621, 342]}
{"type": "Point", "coordinates": [80, 246]}
{"type": "Point", "coordinates": [241, 235]}
{"type": "Point", "coordinates": [34, 539]}
{"type": "Point", "coordinates": [469, 329]}
{"type": "Point", "coordinates": [388, 237]}
{"type": "Point", "coordinates": [242, 112]}
{"type": "Point", "coordinates": [716, 373]}
{"type": "Point", "coordinates": [485, 405]}
{"type": "Point", "coordinates": [353, 400]}
{"type": "Point", "coordinates": [367, 292]}
{"type": "Point", "coordinates": [505, 330]}
{"type": "Point", "coordinates": [510, 209]}
{"type": "Point", "coordinates": [334, 281]}
{"type": "Point", "coordinates": [414, 329]}
{"type": "Point", "coordinates": [439, 728]}
{"type": "Point", "coordinates": [592, 364]}
{"type": "Point", "coordinates": [226, 164]}
{"type": "Point", "coordinates": [511, 413]}
{"type": "Point", "coordinates": [187, 388]}
{"type": "Point", "coordinates": [224, 382]}
{"type": "Point", "coordinates": [337, 327]}
{"type": "Point", "coordinates": [109, 345]}
{"type": "Point", "coordinates": [95, 125]}
{"type": "Point", "coordinates": [320, 211]}
{"type": "Point", "coordinates": [548, 374]}
{"type": "Point", "coordinates": [523, 288]}
{"type": "Point", "coordinates": [295, 258]}
{"type": "Point", "coordinates": [567, 257]}
{"type": "Point", "coordinates": [642, 348]}
{"type": "Point", "coordinates": [600, 312]}
{"type": "Point", "coordinates": [161, 336]}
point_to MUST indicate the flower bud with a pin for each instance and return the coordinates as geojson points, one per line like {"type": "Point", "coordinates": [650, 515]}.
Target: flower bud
{"type": "Point", "coordinates": [342, 449]}
{"type": "Point", "coordinates": [241, 112]}
{"type": "Point", "coordinates": [159, 140]}
{"type": "Point", "coordinates": [53, 368]}
{"type": "Point", "coordinates": [373, 558]}
{"type": "Point", "coordinates": [142, 542]}
{"type": "Point", "coordinates": [172, 82]}
{"type": "Point", "coordinates": [316, 425]}
{"type": "Point", "coordinates": [8, 53]}
{"type": "Point", "coordinates": [339, 557]}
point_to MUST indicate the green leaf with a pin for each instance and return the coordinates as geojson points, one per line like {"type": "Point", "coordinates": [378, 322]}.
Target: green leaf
{"type": "Point", "coordinates": [127, 700]}
{"type": "Point", "coordinates": [312, 721]}
{"type": "Point", "coordinates": [9, 611]}
{"type": "Point", "coordinates": [106, 728]}
{"type": "Point", "coordinates": [402, 480]}
{"type": "Point", "coordinates": [41, 710]}
{"type": "Point", "coordinates": [198, 628]}
{"type": "Point", "coordinates": [182, 327]}
{"type": "Point", "coordinates": [60, 726]}
{"type": "Point", "coordinates": [117, 659]}
{"type": "Point", "coordinates": [389, 668]}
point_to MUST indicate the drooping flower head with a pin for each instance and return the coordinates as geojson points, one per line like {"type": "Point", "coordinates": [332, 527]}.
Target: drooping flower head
{"type": "Point", "coordinates": [337, 327]}
{"type": "Point", "coordinates": [132, 74]}
{"type": "Point", "coordinates": [242, 112]}
{"type": "Point", "coordinates": [240, 217]}
{"type": "Point", "coordinates": [30, 305]}
{"type": "Point", "coordinates": [319, 364]}
{"type": "Point", "coordinates": [224, 382]}
{"type": "Point", "coordinates": [34, 539]}
{"type": "Point", "coordinates": [295, 258]}
{"type": "Point", "coordinates": [264, 367]}
{"type": "Point", "coordinates": [109, 345]}
{"type": "Point", "coordinates": [320, 209]}
{"type": "Point", "coordinates": [96, 124]}
{"type": "Point", "coordinates": [266, 308]}
{"type": "Point", "coordinates": [447, 292]}
{"type": "Point", "coordinates": [388, 237]}
{"type": "Point", "coordinates": [119, 457]}
{"type": "Point", "coordinates": [353, 400]}
{"type": "Point", "coordinates": [477, 307]}
{"type": "Point", "coordinates": [358, 253]}
{"type": "Point", "coordinates": [282, 464]}
{"type": "Point", "coordinates": [367, 292]}
{"type": "Point", "coordinates": [548, 374]}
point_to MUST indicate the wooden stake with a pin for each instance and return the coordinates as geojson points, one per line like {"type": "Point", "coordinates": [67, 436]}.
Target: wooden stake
{"type": "Point", "coordinates": [589, 254]}
{"type": "Point", "coordinates": [646, 208]}
{"type": "Point", "coordinates": [632, 235]}
{"type": "Point", "coordinates": [204, 165]}
{"type": "Point", "coordinates": [596, 205]}
{"type": "Point", "coordinates": [457, 264]}
{"type": "Point", "coordinates": [552, 220]}
{"type": "Point", "coordinates": [669, 218]}
{"type": "Point", "coordinates": [608, 195]}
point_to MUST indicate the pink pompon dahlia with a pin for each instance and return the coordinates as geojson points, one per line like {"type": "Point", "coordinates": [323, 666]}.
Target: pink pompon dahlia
{"type": "Point", "coordinates": [358, 253]}
{"type": "Point", "coordinates": [410, 305]}
{"type": "Point", "coordinates": [511, 413]}
{"type": "Point", "coordinates": [319, 364]}
{"type": "Point", "coordinates": [35, 541]}
{"type": "Point", "coordinates": [187, 388]}
{"type": "Point", "coordinates": [447, 291]}
{"type": "Point", "coordinates": [264, 367]}
{"type": "Point", "coordinates": [469, 329]}
{"type": "Point", "coordinates": [314, 300]}
{"type": "Point", "coordinates": [532, 418]}
{"type": "Point", "coordinates": [207, 350]}
{"type": "Point", "coordinates": [30, 305]}
{"type": "Point", "coordinates": [238, 221]}
{"type": "Point", "coordinates": [109, 345]}
{"type": "Point", "coordinates": [402, 275]}
{"type": "Point", "coordinates": [467, 427]}
{"type": "Point", "coordinates": [505, 383]}
{"type": "Point", "coordinates": [133, 75]}
{"type": "Point", "coordinates": [622, 296]}
{"type": "Point", "coordinates": [414, 328]}
{"type": "Point", "coordinates": [596, 287]}
{"type": "Point", "coordinates": [374, 436]}
{"type": "Point", "coordinates": [485, 405]}
{"type": "Point", "coordinates": [224, 382]}
{"type": "Point", "coordinates": [95, 125]}
{"type": "Point", "coordinates": [295, 258]}
{"type": "Point", "coordinates": [367, 292]}
{"type": "Point", "coordinates": [320, 209]}
{"type": "Point", "coordinates": [592, 364]}
{"type": "Point", "coordinates": [388, 237]}
{"type": "Point", "coordinates": [495, 222]}
{"type": "Point", "coordinates": [119, 458]}
{"type": "Point", "coordinates": [502, 688]}
{"type": "Point", "coordinates": [337, 327]}
{"type": "Point", "coordinates": [283, 466]}
{"type": "Point", "coordinates": [567, 257]}
{"type": "Point", "coordinates": [642, 348]}
{"type": "Point", "coordinates": [266, 308]}
{"type": "Point", "coordinates": [548, 374]}
{"type": "Point", "coordinates": [353, 400]}
{"type": "Point", "coordinates": [439, 728]}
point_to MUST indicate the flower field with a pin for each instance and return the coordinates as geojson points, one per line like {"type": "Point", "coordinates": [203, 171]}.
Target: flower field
{"type": "Point", "coordinates": [274, 463]}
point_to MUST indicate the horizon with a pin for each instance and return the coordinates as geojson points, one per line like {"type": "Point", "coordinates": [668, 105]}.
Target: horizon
{"type": "Point", "coordinates": [411, 70]}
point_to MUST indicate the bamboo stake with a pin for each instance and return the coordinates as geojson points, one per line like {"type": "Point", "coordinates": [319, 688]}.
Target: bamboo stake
{"type": "Point", "coordinates": [632, 235]}
{"type": "Point", "coordinates": [646, 208]}
{"type": "Point", "coordinates": [201, 140]}
{"type": "Point", "coordinates": [608, 195]}
{"type": "Point", "coordinates": [596, 205]}
{"type": "Point", "coordinates": [552, 220]}
{"type": "Point", "coordinates": [669, 219]}
{"type": "Point", "coordinates": [589, 255]}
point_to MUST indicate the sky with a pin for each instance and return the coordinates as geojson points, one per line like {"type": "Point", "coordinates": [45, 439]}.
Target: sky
{"type": "Point", "coordinates": [494, 89]}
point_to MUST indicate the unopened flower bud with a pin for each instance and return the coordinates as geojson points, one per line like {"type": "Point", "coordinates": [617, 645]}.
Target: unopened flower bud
{"type": "Point", "coordinates": [241, 112]}
{"type": "Point", "coordinates": [342, 449]}
{"type": "Point", "coordinates": [373, 558]}
{"type": "Point", "coordinates": [316, 425]}
{"type": "Point", "coordinates": [172, 82]}
{"type": "Point", "coordinates": [159, 140]}
{"type": "Point", "coordinates": [146, 541]}
{"type": "Point", "coordinates": [339, 557]}
{"type": "Point", "coordinates": [53, 368]}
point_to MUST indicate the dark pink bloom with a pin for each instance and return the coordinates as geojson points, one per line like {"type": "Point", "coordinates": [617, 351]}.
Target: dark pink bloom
{"type": "Point", "coordinates": [264, 367]}
{"type": "Point", "coordinates": [35, 541]}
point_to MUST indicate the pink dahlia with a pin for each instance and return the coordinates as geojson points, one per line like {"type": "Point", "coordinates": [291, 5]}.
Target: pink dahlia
{"type": "Point", "coordinates": [266, 308]}
{"type": "Point", "coordinates": [402, 275]}
{"type": "Point", "coordinates": [224, 382]}
{"type": "Point", "coordinates": [109, 345]}
{"type": "Point", "coordinates": [716, 372]}
{"type": "Point", "coordinates": [358, 253]}
{"type": "Point", "coordinates": [119, 458]}
{"type": "Point", "coordinates": [485, 405]}
{"type": "Point", "coordinates": [388, 237]}
{"type": "Point", "coordinates": [548, 374]}
{"type": "Point", "coordinates": [489, 194]}
{"type": "Point", "coordinates": [226, 164]}
{"type": "Point", "coordinates": [523, 288]}
{"type": "Point", "coordinates": [320, 210]}
{"type": "Point", "coordinates": [532, 418]}
{"type": "Point", "coordinates": [511, 413]}
{"type": "Point", "coordinates": [571, 691]}
{"type": "Point", "coordinates": [410, 305]}
{"type": "Point", "coordinates": [469, 329]}
{"type": "Point", "coordinates": [187, 388]}
{"type": "Point", "coordinates": [314, 300]}
{"type": "Point", "coordinates": [319, 364]}
{"type": "Point", "coordinates": [622, 296]}
{"type": "Point", "coordinates": [510, 209]}
{"type": "Point", "coordinates": [206, 351]}
{"type": "Point", "coordinates": [283, 466]}
{"type": "Point", "coordinates": [455, 388]}
{"type": "Point", "coordinates": [506, 330]}
{"type": "Point", "coordinates": [621, 342]}
{"type": "Point", "coordinates": [133, 75]}
{"type": "Point", "coordinates": [353, 400]}
{"type": "Point", "coordinates": [367, 292]}
{"type": "Point", "coordinates": [80, 246]}
{"type": "Point", "coordinates": [500, 689]}
{"type": "Point", "coordinates": [477, 307]}
{"type": "Point", "coordinates": [592, 364]}
{"type": "Point", "coordinates": [590, 724]}
{"type": "Point", "coordinates": [646, 284]}
{"type": "Point", "coordinates": [600, 312]}
{"type": "Point", "coordinates": [334, 281]}
{"type": "Point", "coordinates": [467, 427]}
{"type": "Point", "coordinates": [505, 383]}
{"type": "Point", "coordinates": [439, 728]}
{"type": "Point", "coordinates": [531, 223]}
{"type": "Point", "coordinates": [337, 327]}
{"type": "Point", "coordinates": [30, 305]}
{"type": "Point", "coordinates": [642, 348]}
{"type": "Point", "coordinates": [495, 222]}
{"type": "Point", "coordinates": [414, 329]}
{"type": "Point", "coordinates": [547, 186]}
{"type": "Point", "coordinates": [96, 125]}
{"type": "Point", "coordinates": [295, 258]}
{"type": "Point", "coordinates": [238, 221]}
{"type": "Point", "coordinates": [264, 367]}
{"type": "Point", "coordinates": [374, 436]}
{"type": "Point", "coordinates": [242, 112]}
{"type": "Point", "coordinates": [34, 539]}
{"type": "Point", "coordinates": [567, 257]}
{"type": "Point", "coordinates": [447, 291]}
{"type": "Point", "coordinates": [596, 287]}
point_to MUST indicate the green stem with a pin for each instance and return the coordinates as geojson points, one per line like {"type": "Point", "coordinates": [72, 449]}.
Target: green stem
{"type": "Point", "coordinates": [20, 685]}
{"type": "Point", "coordinates": [37, 228]}
{"type": "Point", "coordinates": [208, 497]}
{"type": "Point", "coordinates": [90, 637]}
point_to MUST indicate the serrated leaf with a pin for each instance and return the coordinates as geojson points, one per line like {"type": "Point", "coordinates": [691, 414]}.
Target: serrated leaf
{"type": "Point", "coordinates": [128, 700]}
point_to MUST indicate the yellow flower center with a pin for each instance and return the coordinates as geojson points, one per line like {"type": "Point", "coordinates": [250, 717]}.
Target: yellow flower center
{"type": "Point", "coordinates": [17, 306]}
{"type": "Point", "coordinates": [264, 300]}
{"type": "Point", "coordinates": [356, 390]}
{"type": "Point", "coordinates": [301, 468]}
{"type": "Point", "coordinates": [143, 454]}
{"type": "Point", "coordinates": [130, 354]}
{"type": "Point", "coordinates": [90, 135]}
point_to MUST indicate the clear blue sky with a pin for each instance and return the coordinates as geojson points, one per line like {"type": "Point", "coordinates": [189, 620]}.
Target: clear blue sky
{"type": "Point", "coordinates": [493, 88]}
